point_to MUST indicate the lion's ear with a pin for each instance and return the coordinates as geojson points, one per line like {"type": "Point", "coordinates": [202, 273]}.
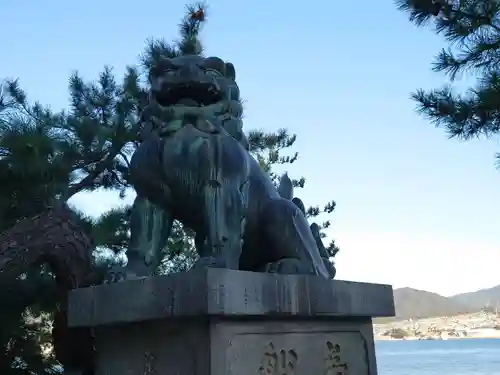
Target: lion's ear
{"type": "Point", "coordinates": [230, 71]}
{"type": "Point", "coordinates": [215, 63]}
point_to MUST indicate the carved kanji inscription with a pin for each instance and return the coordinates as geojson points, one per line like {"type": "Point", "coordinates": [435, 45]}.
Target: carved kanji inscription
{"type": "Point", "coordinates": [278, 362]}
{"type": "Point", "coordinates": [333, 361]}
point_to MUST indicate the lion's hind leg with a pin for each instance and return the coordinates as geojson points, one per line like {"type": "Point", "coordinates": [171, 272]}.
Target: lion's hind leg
{"type": "Point", "coordinates": [289, 240]}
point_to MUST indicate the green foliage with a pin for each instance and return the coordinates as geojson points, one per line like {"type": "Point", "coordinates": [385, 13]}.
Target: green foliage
{"type": "Point", "coordinates": [472, 28]}
{"type": "Point", "coordinates": [60, 154]}
{"type": "Point", "coordinates": [29, 164]}
{"type": "Point", "coordinates": [26, 327]}
{"type": "Point", "coordinates": [47, 156]}
{"type": "Point", "coordinates": [111, 230]}
{"type": "Point", "coordinates": [268, 150]}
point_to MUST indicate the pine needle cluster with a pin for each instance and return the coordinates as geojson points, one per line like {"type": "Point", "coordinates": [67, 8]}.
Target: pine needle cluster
{"type": "Point", "coordinates": [472, 29]}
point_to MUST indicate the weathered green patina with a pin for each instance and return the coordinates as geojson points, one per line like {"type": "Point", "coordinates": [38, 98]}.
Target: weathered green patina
{"type": "Point", "coordinates": [193, 165]}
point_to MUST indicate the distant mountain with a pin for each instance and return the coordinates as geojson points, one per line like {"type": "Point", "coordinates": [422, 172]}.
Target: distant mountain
{"type": "Point", "coordinates": [481, 298]}
{"type": "Point", "coordinates": [413, 303]}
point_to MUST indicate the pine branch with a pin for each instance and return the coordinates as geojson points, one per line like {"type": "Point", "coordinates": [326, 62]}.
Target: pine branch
{"type": "Point", "coordinates": [157, 49]}
{"type": "Point", "coordinates": [314, 211]}
{"type": "Point", "coordinates": [482, 56]}
{"type": "Point", "coordinates": [473, 29]}
{"type": "Point", "coordinates": [188, 44]}
{"type": "Point", "coordinates": [106, 118]}
{"type": "Point", "coordinates": [260, 141]}
{"type": "Point", "coordinates": [464, 116]}
{"type": "Point", "coordinates": [190, 28]}
{"type": "Point", "coordinates": [111, 229]}
{"type": "Point", "coordinates": [332, 249]}
{"type": "Point", "coordinates": [473, 24]}
{"type": "Point", "coordinates": [456, 18]}
{"type": "Point", "coordinates": [88, 180]}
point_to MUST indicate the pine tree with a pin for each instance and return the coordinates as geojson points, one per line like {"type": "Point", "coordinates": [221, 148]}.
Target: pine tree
{"type": "Point", "coordinates": [472, 28]}
{"type": "Point", "coordinates": [45, 158]}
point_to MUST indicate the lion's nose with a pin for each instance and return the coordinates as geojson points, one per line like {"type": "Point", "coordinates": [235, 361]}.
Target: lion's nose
{"type": "Point", "coordinates": [187, 71]}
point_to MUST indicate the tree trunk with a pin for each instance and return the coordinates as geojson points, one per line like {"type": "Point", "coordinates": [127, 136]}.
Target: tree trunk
{"type": "Point", "coordinates": [55, 238]}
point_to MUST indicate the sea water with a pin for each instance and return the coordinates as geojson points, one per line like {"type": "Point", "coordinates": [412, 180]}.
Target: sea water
{"type": "Point", "coordinates": [437, 357]}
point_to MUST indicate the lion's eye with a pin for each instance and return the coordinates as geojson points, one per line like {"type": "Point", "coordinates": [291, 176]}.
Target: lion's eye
{"type": "Point", "coordinates": [214, 72]}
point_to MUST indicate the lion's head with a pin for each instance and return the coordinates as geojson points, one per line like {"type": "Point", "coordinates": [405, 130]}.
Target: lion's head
{"type": "Point", "coordinates": [193, 81]}
{"type": "Point", "coordinates": [203, 87]}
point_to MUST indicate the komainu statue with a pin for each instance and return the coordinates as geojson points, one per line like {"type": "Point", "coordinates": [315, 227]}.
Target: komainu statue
{"type": "Point", "coordinates": [193, 165]}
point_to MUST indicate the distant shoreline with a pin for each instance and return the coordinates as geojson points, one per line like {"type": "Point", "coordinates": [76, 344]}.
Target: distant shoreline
{"type": "Point", "coordinates": [483, 325]}
{"type": "Point", "coordinates": [384, 338]}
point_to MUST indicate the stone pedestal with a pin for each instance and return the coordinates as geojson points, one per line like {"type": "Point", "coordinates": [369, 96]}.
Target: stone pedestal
{"type": "Point", "coordinates": [225, 322]}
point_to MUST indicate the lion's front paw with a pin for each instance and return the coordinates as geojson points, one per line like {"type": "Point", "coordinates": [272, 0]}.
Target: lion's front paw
{"type": "Point", "coordinates": [117, 274]}
{"type": "Point", "coordinates": [289, 266]}
{"type": "Point", "coordinates": [210, 262]}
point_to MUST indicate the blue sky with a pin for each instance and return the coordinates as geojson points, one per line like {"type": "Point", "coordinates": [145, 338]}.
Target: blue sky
{"type": "Point", "coordinates": [413, 208]}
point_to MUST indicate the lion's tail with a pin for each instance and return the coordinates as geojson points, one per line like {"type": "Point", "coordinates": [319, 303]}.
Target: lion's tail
{"type": "Point", "coordinates": [285, 188]}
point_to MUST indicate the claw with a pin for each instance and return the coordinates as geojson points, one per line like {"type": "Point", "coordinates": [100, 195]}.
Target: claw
{"type": "Point", "coordinates": [210, 262]}
{"type": "Point", "coordinates": [288, 266]}
{"type": "Point", "coordinates": [121, 274]}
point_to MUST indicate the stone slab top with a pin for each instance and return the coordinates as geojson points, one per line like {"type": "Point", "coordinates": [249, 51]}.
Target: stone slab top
{"type": "Point", "coordinates": [222, 292]}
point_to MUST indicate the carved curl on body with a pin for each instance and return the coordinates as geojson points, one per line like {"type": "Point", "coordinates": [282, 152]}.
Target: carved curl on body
{"type": "Point", "coordinates": [193, 165]}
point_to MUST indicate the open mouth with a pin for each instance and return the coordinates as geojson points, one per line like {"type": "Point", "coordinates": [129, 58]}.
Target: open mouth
{"type": "Point", "coordinates": [194, 94]}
